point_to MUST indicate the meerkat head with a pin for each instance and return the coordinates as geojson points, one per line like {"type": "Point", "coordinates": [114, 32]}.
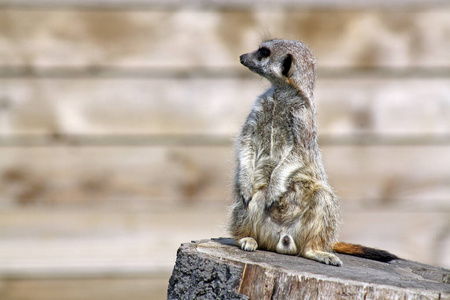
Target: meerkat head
{"type": "Point", "coordinates": [283, 62]}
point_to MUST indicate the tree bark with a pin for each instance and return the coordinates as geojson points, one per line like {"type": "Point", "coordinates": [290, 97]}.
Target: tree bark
{"type": "Point", "coordinates": [218, 269]}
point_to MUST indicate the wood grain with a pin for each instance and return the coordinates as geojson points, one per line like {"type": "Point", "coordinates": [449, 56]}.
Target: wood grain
{"type": "Point", "coordinates": [216, 107]}
{"type": "Point", "coordinates": [90, 242]}
{"type": "Point", "coordinates": [82, 289]}
{"type": "Point", "coordinates": [220, 4]}
{"type": "Point", "coordinates": [267, 275]}
{"type": "Point", "coordinates": [185, 39]}
{"type": "Point", "coordinates": [414, 178]}
{"type": "Point", "coordinates": [117, 118]}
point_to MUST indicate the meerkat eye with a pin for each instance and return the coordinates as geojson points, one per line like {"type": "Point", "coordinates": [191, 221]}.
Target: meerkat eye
{"type": "Point", "coordinates": [263, 52]}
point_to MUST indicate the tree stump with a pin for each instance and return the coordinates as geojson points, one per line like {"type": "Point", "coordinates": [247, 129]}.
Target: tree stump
{"type": "Point", "coordinates": [218, 269]}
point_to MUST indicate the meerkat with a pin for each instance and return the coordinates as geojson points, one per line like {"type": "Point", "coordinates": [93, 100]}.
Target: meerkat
{"type": "Point", "coordinates": [283, 201]}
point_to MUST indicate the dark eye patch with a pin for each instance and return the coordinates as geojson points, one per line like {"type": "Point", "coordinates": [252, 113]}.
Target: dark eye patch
{"type": "Point", "coordinates": [263, 52]}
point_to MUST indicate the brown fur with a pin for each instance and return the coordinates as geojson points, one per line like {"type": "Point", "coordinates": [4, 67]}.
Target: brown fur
{"type": "Point", "coordinates": [362, 251]}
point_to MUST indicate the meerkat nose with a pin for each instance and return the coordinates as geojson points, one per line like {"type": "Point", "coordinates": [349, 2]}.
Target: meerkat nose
{"type": "Point", "coordinates": [286, 241]}
{"type": "Point", "coordinates": [241, 58]}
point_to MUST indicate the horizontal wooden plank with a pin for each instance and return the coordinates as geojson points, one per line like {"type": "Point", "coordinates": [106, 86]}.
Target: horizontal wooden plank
{"type": "Point", "coordinates": [82, 289]}
{"type": "Point", "coordinates": [407, 177]}
{"type": "Point", "coordinates": [53, 243]}
{"type": "Point", "coordinates": [216, 107]}
{"type": "Point", "coordinates": [139, 177]}
{"type": "Point", "coordinates": [219, 4]}
{"type": "Point", "coordinates": [161, 177]}
{"type": "Point", "coordinates": [409, 235]}
{"type": "Point", "coordinates": [237, 72]}
{"type": "Point", "coordinates": [209, 140]}
{"type": "Point", "coordinates": [186, 39]}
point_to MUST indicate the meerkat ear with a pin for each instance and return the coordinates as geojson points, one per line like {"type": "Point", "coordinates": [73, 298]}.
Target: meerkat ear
{"type": "Point", "coordinates": [287, 64]}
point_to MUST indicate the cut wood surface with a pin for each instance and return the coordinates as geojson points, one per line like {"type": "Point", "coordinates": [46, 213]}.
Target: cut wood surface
{"type": "Point", "coordinates": [217, 268]}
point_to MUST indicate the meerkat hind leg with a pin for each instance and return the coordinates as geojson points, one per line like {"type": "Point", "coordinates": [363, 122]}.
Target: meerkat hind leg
{"type": "Point", "coordinates": [323, 257]}
{"type": "Point", "coordinates": [248, 244]}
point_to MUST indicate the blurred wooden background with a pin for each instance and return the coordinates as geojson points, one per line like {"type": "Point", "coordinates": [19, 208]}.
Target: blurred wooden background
{"type": "Point", "coordinates": [117, 121]}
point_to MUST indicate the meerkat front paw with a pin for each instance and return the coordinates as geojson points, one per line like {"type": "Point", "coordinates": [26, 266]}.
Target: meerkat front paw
{"type": "Point", "coordinates": [248, 244]}
{"type": "Point", "coordinates": [245, 195]}
{"type": "Point", "coordinates": [246, 198]}
{"type": "Point", "coordinates": [271, 199]}
{"type": "Point", "coordinates": [269, 203]}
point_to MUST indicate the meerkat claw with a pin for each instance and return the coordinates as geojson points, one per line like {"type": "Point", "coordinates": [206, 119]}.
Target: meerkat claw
{"type": "Point", "coordinates": [269, 204]}
{"type": "Point", "coordinates": [248, 244]}
{"type": "Point", "coordinates": [245, 200]}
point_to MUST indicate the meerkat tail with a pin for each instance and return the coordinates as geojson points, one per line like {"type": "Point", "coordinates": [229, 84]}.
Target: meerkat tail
{"type": "Point", "coordinates": [365, 252]}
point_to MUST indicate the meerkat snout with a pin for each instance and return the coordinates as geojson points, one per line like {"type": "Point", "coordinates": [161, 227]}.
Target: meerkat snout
{"type": "Point", "coordinates": [256, 61]}
{"type": "Point", "coordinates": [245, 59]}
{"type": "Point", "coordinates": [241, 58]}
